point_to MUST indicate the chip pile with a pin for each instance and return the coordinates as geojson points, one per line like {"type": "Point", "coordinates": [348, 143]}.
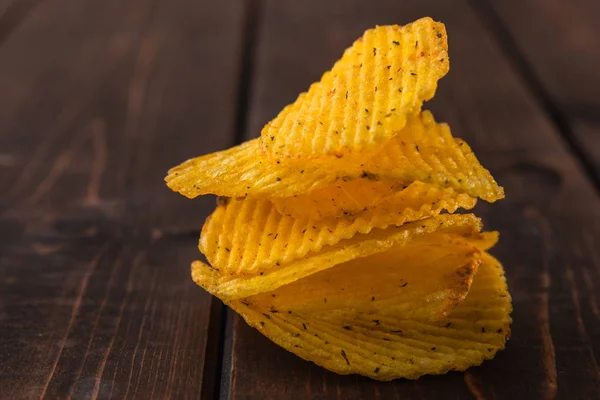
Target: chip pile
{"type": "Point", "coordinates": [335, 234]}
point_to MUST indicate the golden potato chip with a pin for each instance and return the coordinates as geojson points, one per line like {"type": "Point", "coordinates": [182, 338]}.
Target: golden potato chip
{"type": "Point", "coordinates": [342, 199]}
{"type": "Point", "coordinates": [372, 283]}
{"type": "Point", "coordinates": [424, 151]}
{"type": "Point", "coordinates": [231, 281]}
{"type": "Point", "coordinates": [357, 198]}
{"type": "Point", "coordinates": [249, 236]}
{"type": "Point", "coordinates": [240, 171]}
{"type": "Point", "coordinates": [387, 346]}
{"type": "Point", "coordinates": [366, 97]}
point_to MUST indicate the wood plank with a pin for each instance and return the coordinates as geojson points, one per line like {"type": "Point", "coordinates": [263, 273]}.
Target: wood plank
{"type": "Point", "coordinates": [96, 315]}
{"type": "Point", "coordinates": [559, 42]}
{"type": "Point", "coordinates": [12, 12]}
{"type": "Point", "coordinates": [549, 222]}
{"type": "Point", "coordinates": [108, 96]}
{"type": "Point", "coordinates": [99, 99]}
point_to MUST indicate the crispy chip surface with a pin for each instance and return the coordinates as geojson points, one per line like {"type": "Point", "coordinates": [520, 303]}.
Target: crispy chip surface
{"type": "Point", "coordinates": [249, 236]}
{"type": "Point", "coordinates": [353, 199]}
{"type": "Point", "coordinates": [231, 282]}
{"type": "Point", "coordinates": [424, 151]}
{"type": "Point", "coordinates": [366, 97]}
{"type": "Point", "coordinates": [342, 199]}
{"type": "Point", "coordinates": [372, 283]}
{"type": "Point", "coordinates": [369, 340]}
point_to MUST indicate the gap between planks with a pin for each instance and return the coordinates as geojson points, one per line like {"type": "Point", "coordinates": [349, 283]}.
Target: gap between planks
{"type": "Point", "coordinates": [220, 314]}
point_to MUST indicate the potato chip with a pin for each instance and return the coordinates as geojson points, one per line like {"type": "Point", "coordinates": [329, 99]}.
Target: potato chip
{"type": "Point", "coordinates": [240, 171]}
{"type": "Point", "coordinates": [340, 200]}
{"type": "Point", "coordinates": [365, 99]}
{"type": "Point", "coordinates": [387, 346]}
{"type": "Point", "coordinates": [372, 283]}
{"type": "Point", "coordinates": [358, 198]}
{"type": "Point", "coordinates": [249, 236]}
{"type": "Point", "coordinates": [424, 151]}
{"type": "Point", "coordinates": [231, 281]}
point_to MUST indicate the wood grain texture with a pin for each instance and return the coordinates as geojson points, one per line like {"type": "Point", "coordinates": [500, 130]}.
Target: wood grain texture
{"type": "Point", "coordinates": [549, 222]}
{"type": "Point", "coordinates": [559, 41]}
{"type": "Point", "coordinates": [99, 316]}
{"type": "Point", "coordinates": [99, 99]}
{"type": "Point", "coordinates": [110, 95]}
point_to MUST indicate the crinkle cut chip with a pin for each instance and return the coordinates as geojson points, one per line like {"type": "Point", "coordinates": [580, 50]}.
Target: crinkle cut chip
{"type": "Point", "coordinates": [424, 151]}
{"type": "Point", "coordinates": [397, 327]}
{"type": "Point", "coordinates": [232, 282]}
{"type": "Point", "coordinates": [366, 98]}
{"type": "Point", "coordinates": [250, 238]}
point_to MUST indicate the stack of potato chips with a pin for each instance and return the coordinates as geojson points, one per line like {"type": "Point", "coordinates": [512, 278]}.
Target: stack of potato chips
{"type": "Point", "coordinates": [335, 234]}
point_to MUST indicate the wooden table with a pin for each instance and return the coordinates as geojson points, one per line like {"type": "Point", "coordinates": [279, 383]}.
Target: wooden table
{"type": "Point", "coordinates": [99, 98]}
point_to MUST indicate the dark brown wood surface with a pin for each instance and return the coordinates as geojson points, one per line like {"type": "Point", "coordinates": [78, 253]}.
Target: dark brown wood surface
{"type": "Point", "coordinates": [100, 98]}
{"type": "Point", "coordinates": [556, 44]}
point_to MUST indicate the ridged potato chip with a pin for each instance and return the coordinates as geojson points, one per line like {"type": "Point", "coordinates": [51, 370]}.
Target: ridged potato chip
{"type": "Point", "coordinates": [249, 236]}
{"type": "Point", "coordinates": [340, 200]}
{"type": "Point", "coordinates": [385, 346]}
{"type": "Point", "coordinates": [365, 99]}
{"type": "Point", "coordinates": [424, 151]}
{"type": "Point", "coordinates": [230, 281]}
{"type": "Point", "coordinates": [353, 199]}
{"type": "Point", "coordinates": [371, 284]}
